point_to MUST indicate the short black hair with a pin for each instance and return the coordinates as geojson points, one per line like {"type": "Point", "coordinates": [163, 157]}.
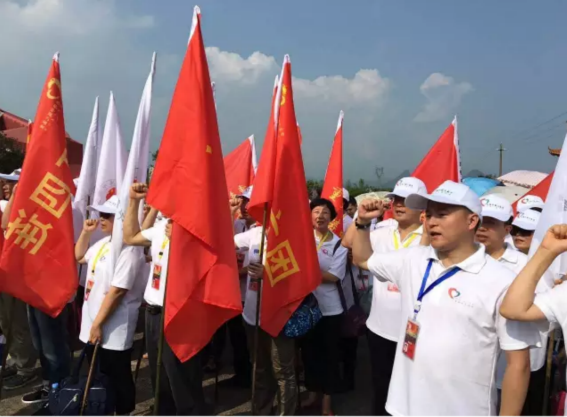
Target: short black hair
{"type": "Point", "coordinates": [353, 201]}
{"type": "Point", "coordinates": [345, 204]}
{"type": "Point", "coordinates": [320, 202]}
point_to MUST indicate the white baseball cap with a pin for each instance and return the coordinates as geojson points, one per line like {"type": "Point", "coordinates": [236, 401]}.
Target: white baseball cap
{"type": "Point", "coordinates": [529, 202]}
{"type": "Point", "coordinates": [527, 219]}
{"type": "Point", "coordinates": [451, 193]}
{"type": "Point", "coordinates": [110, 206]}
{"type": "Point", "coordinates": [407, 186]}
{"type": "Point", "coordinates": [496, 207]}
{"type": "Point", "coordinates": [14, 176]}
{"type": "Point", "coordinates": [247, 193]}
{"type": "Point", "coordinates": [346, 194]}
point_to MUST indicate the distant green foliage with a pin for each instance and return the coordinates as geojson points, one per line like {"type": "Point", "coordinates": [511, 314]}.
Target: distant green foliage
{"type": "Point", "coordinates": [314, 187]}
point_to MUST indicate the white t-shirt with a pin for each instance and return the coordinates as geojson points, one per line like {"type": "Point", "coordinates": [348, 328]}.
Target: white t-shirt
{"type": "Point", "coordinates": [327, 293]}
{"type": "Point", "coordinates": [386, 310]}
{"type": "Point", "coordinates": [250, 240]}
{"type": "Point", "coordinates": [460, 337]}
{"type": "Point", "coordinates": [240, 226]}
{"type": "Point", "coordinates": [118, 330]}
{"type": "Point", "coordinates": [155, 287]}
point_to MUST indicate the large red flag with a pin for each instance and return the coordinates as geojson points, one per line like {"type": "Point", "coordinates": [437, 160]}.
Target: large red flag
{"type": "Point", "coordinates": [540, 190]}
{"type": "Point", "coordinates": [333, 186]}
{"type": "Point", "coordinates": [189, 187]}
{"type": "Point", "coordinates": [292, 268]}
{"type": "Point", "coordinates": [38, 257]}
{"type": "Point", "coordinates": [442, 162]}
{"type": "Point", "coordinates": [239, 167]}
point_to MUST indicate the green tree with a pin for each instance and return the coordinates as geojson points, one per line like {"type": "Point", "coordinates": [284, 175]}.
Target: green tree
{"type": "Point", "coordinates": [11, 154]}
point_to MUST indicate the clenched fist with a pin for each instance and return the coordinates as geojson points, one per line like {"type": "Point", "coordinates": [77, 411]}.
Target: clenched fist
{"type": "Point", "coordinates": [370, 209]}
{"type": "Point", "coordinates": [555, 239]}
{"type": "Point", "coordinates": [138, 191]}
{"type": "Point", "coordinates": [90, 225]}
{"type": "Point", "coordinates": [234, 204]}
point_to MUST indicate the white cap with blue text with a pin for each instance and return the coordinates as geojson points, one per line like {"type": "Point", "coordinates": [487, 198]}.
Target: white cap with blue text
{"type": "Point", "coordinates": [529, 202]}
{"type": "Point", "coordinates": [407, 186]}
{"type": "Point", "coordinates": [451, 193]}
{"type": "Point", "coordinates": [496, 207]}
{"type": "Point", "coordinates": [527, 220]}
{"type": "Point", "coordinates": [110, 206]}
{"type": "Point", "coordinates": [14, 176]}
{"type": "Point", "coordinates": [247, 193]}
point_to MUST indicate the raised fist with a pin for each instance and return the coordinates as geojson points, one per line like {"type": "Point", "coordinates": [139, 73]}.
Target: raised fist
{"type": "Point", "coordinates": [555, 239]}
{"type": "Point", "coordinates": [234, 204]}
{"type": "Point", "coordinates": [90, 225]}
{"type": "Point", "coordinates": [370, 209]}
{"type": "Point", "coordinates": [138, 191]}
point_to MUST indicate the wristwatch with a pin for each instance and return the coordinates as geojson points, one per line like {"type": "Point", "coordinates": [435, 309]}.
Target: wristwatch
{"type": "Point", "coordinates": [362, 226]}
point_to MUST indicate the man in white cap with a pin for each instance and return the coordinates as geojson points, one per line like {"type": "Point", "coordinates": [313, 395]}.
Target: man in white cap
{"type": "Point", "coordinates": [523, 229]}
{"type": "Point", "coordinates": [530, 202]}
{"type": "Point", "coordinates": [451, 333]}
{"type": "Point", "coordinates": [20, 369]}
{"type": "Point", "coordinates": [112, 298]}
{"type": "Point", "coordinates": [181, 390]}
{"type": "Point", "coordinates": [385, 315]}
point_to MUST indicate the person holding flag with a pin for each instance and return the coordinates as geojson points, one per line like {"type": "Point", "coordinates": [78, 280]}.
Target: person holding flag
{"type": "Point", "coordinates": [181, 390]}
{"type": "Point", "coordinates": [111, 303]}
{"type": "Point", "coordinates": [450, 297]}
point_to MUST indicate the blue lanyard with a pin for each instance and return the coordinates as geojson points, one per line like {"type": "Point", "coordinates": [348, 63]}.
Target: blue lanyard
{"type": "Point", "coordinates": [424, 291]}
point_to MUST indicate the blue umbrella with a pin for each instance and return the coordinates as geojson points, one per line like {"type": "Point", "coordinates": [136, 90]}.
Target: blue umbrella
{"type": "Point", "coordinates": [481, 185]}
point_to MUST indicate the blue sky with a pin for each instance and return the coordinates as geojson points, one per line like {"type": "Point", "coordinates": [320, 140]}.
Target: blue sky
{"type": "Point", "coordinates": [399, 69]}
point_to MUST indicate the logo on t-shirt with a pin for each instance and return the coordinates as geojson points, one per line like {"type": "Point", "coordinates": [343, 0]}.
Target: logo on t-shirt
{"type": "Point", "coordinates": [454, 293]}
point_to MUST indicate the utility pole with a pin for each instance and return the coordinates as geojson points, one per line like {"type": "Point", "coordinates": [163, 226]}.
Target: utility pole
{"type": "Point", "coordinates": [501, 149]}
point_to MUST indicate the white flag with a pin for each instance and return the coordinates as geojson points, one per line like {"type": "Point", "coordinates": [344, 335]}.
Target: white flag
{"type": "Point", "coordinates": [254, 157]}
{"type": "Point", "coordinates": [87, 177]}
{"type": "Point", "coordinates": [138, 160]}
{"type": "Point", "coordinates": [112, 161]}
{"type": "Point", "coordinates": [554, 212]}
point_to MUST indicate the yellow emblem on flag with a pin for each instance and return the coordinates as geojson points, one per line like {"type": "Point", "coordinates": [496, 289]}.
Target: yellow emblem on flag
{"type": "Point", "coordinates": [54, 89]}
{"type": "Point", "coordinates": [209, 149]}
{"type": "Point", "coordinates": [281, 263]}
{"type": "Point", "coordinates": [26, 232]}
{"type": "Point", "coordinates": [52, 194]}
{"type": "Point", "coordinates": [337, 192]}
{"type": "Point", "coordinates": [284, 92]}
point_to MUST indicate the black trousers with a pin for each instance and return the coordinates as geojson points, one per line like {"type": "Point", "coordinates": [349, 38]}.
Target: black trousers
{"type": "Point", "coordinates": [185, 378]}
{"type": "Point", "coordinates": [348, 347]}
{"type": "Point", "coordinates": [320, 355]}
{"type": "Point", "coordinates": [240, 355]}
{"type": "Point", "coordinates": [382, 355]}
{"type": "Point", "coordinates": [534, 398]}
{"type": "Point", "coordinates": [115, 364]}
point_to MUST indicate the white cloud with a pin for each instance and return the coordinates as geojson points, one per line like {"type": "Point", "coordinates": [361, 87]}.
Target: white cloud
{"type": "Point", "coordinates": [231, 67]}
{"type": "Point", "coordinates": [443, 96]}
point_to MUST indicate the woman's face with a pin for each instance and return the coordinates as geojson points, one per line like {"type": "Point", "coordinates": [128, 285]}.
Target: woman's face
{"type": "Point", "coordinates": [7, 189]}
{"type": "Point", "coordinates": [321, 217]}
{"type": "Point", "coordinates": [106, 222]}
{"type": "Point", "coordinates": [351, 210]}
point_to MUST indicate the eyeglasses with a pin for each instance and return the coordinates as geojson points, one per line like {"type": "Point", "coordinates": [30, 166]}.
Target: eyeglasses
{"type": "Point", "coordinates": [518, 231]}
{"type": "Point", "coordinates": [106, 216]}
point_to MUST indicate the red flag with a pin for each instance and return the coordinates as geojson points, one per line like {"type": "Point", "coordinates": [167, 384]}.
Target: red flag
{"type": "Point", "coordinates": [299, 135]}
{"type": "Point", "coordinates": [189, 187]}
{"type": "Point", "coordinates": [292, 268]}
{"type": "Point", "coordinates": [442, 162]}
{"type": "Point", "coordinates": [540, 190]}
{"type": "Point", "coordinates": [333, 186]}
{"type": "Point", "coordinates": [38, 257]}
{"type": "Point", "coordinates": [30, 128]}
{"type": "Point", "coordinates": [239, 167]}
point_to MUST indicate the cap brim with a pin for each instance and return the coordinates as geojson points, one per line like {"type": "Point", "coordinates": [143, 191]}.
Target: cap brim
{"type": "Point", "coordinates": [102, 209]}
{"type": "Point", "coordinates": [9, 177]}
{"type": "Point", "coordinates": [398, 194]}
{"type": "Point", "coordinates": [521, 209]}
{"type": "Point", "coordinates": [524, 225]}
{"type": "Point", "coordinates": [494, 215]}
{"type": "Point", "coordinates": [419, 201]}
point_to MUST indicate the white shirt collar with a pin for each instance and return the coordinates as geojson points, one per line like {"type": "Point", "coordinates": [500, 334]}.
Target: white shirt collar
{"type": "Point", "coordinates": [510, 255]}
{"type": "Point", "coordinates": [473, 264]}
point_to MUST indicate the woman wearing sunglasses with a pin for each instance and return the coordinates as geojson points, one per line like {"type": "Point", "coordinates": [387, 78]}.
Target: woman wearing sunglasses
{"type": "Point", "coordinates": [523, 228]}
{"type": "Point", "coordinates": [112, 300]}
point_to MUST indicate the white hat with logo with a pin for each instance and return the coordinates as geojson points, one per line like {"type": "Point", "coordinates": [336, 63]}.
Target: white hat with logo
{"type": "Point", "coordinates": [529, 202]}
{"type": "Point", "coordinates": [527, 219]}
{"type": "Point", "coordinates": [406, 186]}
{"type": "Point", "coordinates": [247, 193]}
{"type": "Point", "coordinates": [110, 206]}
{"type": "Point", "coordinates": [346, 194]}
{"type": "Point", "coordinates": [496, 207]}
{"type": "Point", "coordinates": [451, 193]}
{"type": "Point", "coordinates": [14, 176]}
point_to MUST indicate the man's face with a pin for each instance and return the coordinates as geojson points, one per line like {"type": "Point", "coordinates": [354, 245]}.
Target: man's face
{"type": "Point", "coordinates": [448, 225]}
{"type": "Point", "coordinates": [243, 212]}
{"type": "Point", "coordinates": [402, 214]}
{"type": "Point", "coordinates": [522, 239]}
{"type": "Point", "coordinates": [7, 189]}
{"type": "Point", "coordinates": [492, 233]}
{"type": "Point", "coordinates": [351, 210]}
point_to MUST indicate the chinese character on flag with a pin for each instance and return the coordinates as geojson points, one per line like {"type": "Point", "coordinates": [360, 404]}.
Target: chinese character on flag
{"type": "Point", "coordinates": [38, 258]}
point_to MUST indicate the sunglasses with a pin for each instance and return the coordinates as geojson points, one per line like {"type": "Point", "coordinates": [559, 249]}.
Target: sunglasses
{"type": "Point", "coordinates": [106, 216]}
{"type": "Point", "coordinates": [517, 231]}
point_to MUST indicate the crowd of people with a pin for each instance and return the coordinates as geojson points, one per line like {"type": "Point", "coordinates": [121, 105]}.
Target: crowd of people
{"type": "Point", "coordinates": [458, 319]}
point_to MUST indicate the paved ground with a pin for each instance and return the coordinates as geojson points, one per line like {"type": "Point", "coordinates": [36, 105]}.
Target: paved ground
{"type": "Point", "coordinates": [230, 401]}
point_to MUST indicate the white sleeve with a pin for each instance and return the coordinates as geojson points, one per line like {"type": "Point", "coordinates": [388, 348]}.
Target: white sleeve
{"type": "Point", "coordinates": [338, 264]}
{"type": "Point", "coordinates": [127, 268]}
{"type": "Point", "coordinates": [388, 266]}
{"type": "Point", "coordinates": [150, 234]}
{"type": "Point", "coordinates": [552, 304]}
{"type": "Point", "coordinates": [516, 335]}
{"type": "Point", "coordinates": [242, 240]}
{"type": "Point", "coordinates": [91, 252]}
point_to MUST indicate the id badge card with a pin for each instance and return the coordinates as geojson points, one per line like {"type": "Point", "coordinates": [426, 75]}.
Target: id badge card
{"type": "Point", "coordinates": [156, 277]}
{"type": "Point", "coordinates": [88, 289]}
{"type": "Point", "coordinates": [410, 339]}
{"type": "Point", "coordinates": [253, 285]}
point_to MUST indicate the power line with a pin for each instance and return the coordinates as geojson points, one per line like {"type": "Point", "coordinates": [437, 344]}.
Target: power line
{"type": "Point", "coordinates": [539, 124]}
